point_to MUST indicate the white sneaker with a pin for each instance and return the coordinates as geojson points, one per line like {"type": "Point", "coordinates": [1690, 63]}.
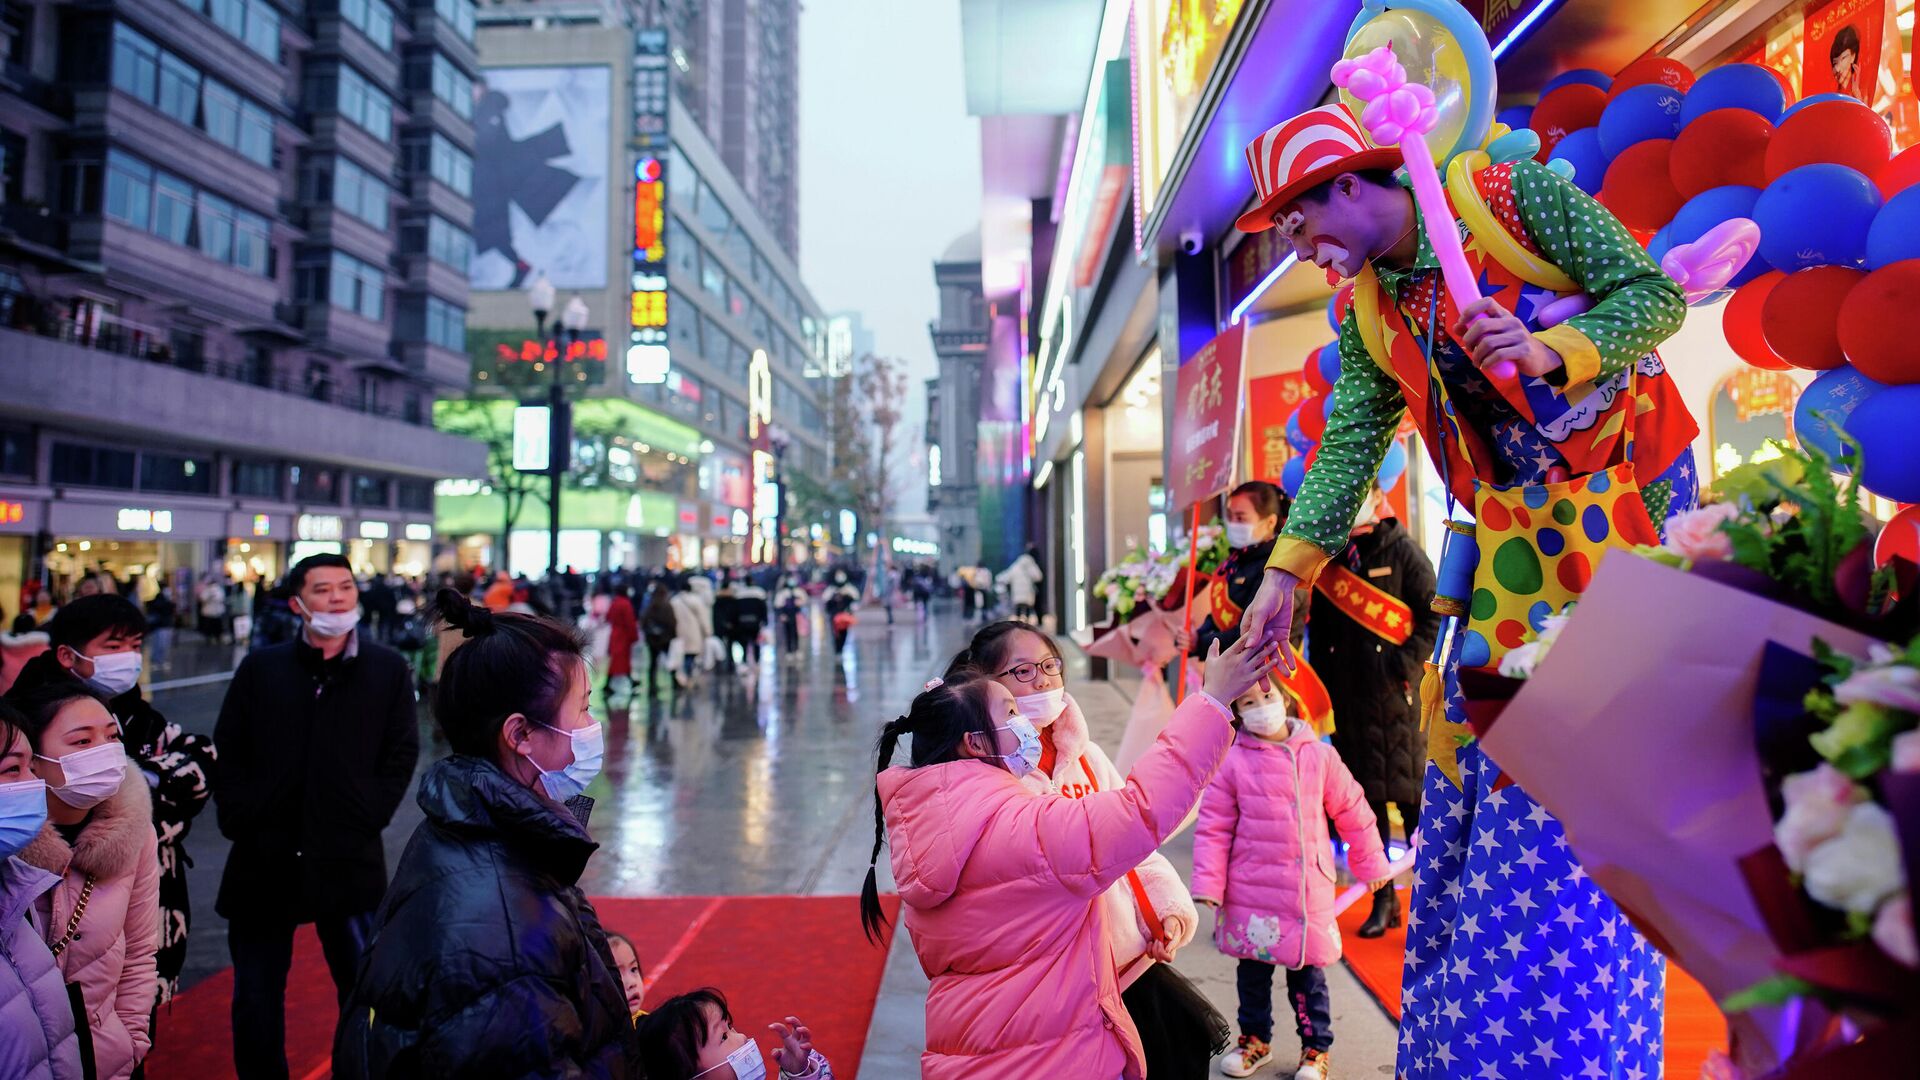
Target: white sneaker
{"type": "Point", "coordinates": [1314, 1065]}
{"type": "Point", "coordinates": [1246, 1057]}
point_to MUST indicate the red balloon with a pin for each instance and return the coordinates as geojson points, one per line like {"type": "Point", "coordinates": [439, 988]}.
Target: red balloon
{"type": "Point", "coordinates": [1900, 538]}
{"type": "Point", "coordinates": [1840, 132]}
{"type": "Point", "coordinates": [1876, 323]}
{"type": "Point", "coordinates": [1740, 321]}
{"type": "Point", "coordinates": [1899, 174]}
{"type": "Point", "coordinates": [1801, 317]}
{"type": "Point", "coordinates": [1313, 418]}
{"type": "Point", "coordinates": [1725, 146]}
{"type": "Point", "coordinates": [1315, 378]}
{"type": "Point", "coordinates": [1312, 455]}
{"type": "Point", "coordinates": [1639, 186]}
{"type": "Point", "coordinates": [1654, 69]}
{"type": "Point", "coordinates": [1565, 111]}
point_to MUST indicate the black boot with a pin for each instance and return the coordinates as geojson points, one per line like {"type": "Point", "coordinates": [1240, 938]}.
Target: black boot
{"type": "Point", "coordinates": [1385, 914]}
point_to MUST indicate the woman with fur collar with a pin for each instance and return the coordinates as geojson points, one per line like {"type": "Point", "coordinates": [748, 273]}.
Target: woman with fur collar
{"type": "Point", "coordinates": [102, 920]}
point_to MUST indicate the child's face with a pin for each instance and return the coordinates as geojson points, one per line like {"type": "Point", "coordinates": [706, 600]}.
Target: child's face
{"type": "Point", "coordinates": [1262, 693]}
{"type": "Point", "coordinates": [721, 1040]}
{"type": "Point", "coordinates": [634, 983]}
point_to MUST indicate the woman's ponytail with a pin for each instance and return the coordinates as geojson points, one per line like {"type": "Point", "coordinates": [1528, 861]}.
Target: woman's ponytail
{"type": "Point", "coordinates": [873, 918]}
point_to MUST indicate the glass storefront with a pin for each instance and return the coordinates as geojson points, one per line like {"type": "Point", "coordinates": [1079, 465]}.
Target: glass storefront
{"type": "Point", "coordinates": [253, 560]}
{"type": "Point", "coordinates": [148, 561]}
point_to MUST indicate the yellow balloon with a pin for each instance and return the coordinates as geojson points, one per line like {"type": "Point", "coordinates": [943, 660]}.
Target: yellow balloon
{"type": "Point", "coordinates": [1431, 55]}
{"type": "Point", "coordinates": [1494, 238]}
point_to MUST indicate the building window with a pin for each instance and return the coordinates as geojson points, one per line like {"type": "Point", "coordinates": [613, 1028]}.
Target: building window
{"type": "Point", "coordinates": [136, 64]}
{"type": "Point", "coordinates": [452, 86]}
{"type": "Point", "coordinates": [457, 14]}
{"type": "Point", "coordinates": [413, 495]}
{"type": "Point", "coordinates": [372, 18]}
{"type": "Point", "coordinates": [179, 89]}
{"type": "Point", "coordinates": [129, 189]}
{"type": "Point", "coordinates": [169, 472]}
{"type": "Point", "coordinates": [172, 85]}
{"type": "Point", "coordinates": [222, 113]}
{"type": "Point", "coordinates": [713, 216]}
{"type": "Point", "coordinates": [260, 479]}
{"type": "Point", "coordinates": [263, 29]}
{"type": "Point", "coordinates": [446, 325]}
{"type": "Point", "coordinates": [172, 209]}
{"type": "Point", "coordinates": [256, 134]}
{"type": "Point", "coordinates": [448, 243]}
{"type": "Point", "coordinates": [311, 485]}
{"type": "Point", "coordinates": [16, 452]}
{"type": "Point", "coordinates": [92, 466]}
{"type": "Point", "coordinates": [216, 227]}
{"type": "Point", "coordinates": [360, 193]}
{"type": "Point", "coordinates": [364, 103]}
{"type": "Point", "coordinates": [229, 15]}
{"type": "Point", "coordinates": [354, 285]}
{"type": "Point", "coordinates": [369, 490]}
{"type": "Point", "coordinates": [452, 166]}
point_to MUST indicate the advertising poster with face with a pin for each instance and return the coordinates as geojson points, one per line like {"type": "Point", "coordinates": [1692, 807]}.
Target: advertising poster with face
{"type": "Point", "coordinates": [1842, 50]}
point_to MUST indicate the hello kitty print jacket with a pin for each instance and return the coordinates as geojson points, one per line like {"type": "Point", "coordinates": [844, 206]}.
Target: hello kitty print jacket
{"type": "Point", "coordinates": [1261, 849]}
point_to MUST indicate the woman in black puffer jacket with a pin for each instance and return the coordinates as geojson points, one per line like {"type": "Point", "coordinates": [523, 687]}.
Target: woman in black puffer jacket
{"type": "Point", "coordinates": [488, 960]}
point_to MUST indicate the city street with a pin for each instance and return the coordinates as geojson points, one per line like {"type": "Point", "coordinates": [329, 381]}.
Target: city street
{"type": "Point", "coordinates": [736, 788]}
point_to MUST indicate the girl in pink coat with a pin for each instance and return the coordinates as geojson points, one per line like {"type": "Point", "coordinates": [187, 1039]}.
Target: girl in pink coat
{"type": "Point", "coordinates": [1263, 860]}
{"type": "Point", "coordinates": [1003, 885]}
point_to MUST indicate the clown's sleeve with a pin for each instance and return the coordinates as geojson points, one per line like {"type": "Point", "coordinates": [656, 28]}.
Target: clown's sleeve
{"type": "Point", "coordinates": [1366, 411]}
{"type": "Point", "coordinates": [1636, 305]}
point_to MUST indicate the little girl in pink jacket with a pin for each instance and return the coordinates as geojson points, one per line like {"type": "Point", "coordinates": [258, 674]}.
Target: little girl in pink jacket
{"type": "Point", "coordinates": [1002, 886]}
{"type": "Point", "coordinates": [1262, 858]}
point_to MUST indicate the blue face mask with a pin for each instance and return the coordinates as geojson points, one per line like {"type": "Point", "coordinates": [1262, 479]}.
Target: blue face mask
{"type": "Point", "coordinates": [1027, 758]}
{"type": "Point", "coordinates": [23, 809]}
{"type": "Point", "coordinates": [588, 745]}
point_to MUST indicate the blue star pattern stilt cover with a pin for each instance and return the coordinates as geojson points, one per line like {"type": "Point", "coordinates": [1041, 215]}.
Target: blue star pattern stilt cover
{"type": "Point", "coordinates": [1518, 967]}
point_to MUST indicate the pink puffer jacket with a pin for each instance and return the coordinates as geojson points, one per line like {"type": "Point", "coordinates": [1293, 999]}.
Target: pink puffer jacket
{"type": "Point", "coordinates": [111, 956]}
{"type": "Point", "coordinates": [1002, 890]}
{"type": "Point", "coordinates": [1262, 852]}
{"type": "Point", "coordinates": [1080, 769]}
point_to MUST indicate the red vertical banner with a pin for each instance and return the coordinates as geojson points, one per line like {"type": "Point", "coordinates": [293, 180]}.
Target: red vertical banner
{"type": "Point", "coordinates": [1270, 401]}
{"type": "Point", "coordinates": [1841, 53]}
{"type": "Point", "coordinates": [1206, 411]}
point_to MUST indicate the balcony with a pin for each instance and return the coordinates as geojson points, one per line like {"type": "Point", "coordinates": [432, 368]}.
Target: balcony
{"type": "Point", "coordinates": [34, 224]}
{"type": "Point", "coordinates": [138, 384]}
{"type": "Point", "coordinates": [442, 367]}
{"type": "Point", "coordinates": [427, 111]}
{"type": "Point", "coordinates": [957, 341]}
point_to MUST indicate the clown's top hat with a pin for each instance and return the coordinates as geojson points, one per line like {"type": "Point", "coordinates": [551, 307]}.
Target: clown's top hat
{"type": "Point", "coordinates": [1297, 155]}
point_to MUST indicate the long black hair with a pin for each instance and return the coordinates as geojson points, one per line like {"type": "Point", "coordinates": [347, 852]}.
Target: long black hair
{"type": "Point", "coordinates": [39, 705]}
{"type": "Point", "coordinates": [939, 720]}
{"type": "Point", "coordinates": [508, 663]}
{"type": "Point", "coordinates": [671, 1036]}
{"type": "Point", "coordinates": [986, 654]}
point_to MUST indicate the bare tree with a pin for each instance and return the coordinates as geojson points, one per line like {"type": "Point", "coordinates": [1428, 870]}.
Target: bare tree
{"type": "Point", "coordinates": [867, 406]}
{"type": "Point", "coordinates": [479, 418]}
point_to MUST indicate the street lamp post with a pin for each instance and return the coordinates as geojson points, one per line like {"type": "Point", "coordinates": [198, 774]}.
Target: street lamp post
{"type": "Point", "coordinates": [778, 441]}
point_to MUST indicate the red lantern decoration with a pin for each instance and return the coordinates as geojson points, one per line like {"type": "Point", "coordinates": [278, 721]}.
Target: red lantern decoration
{"type": "Point", "coordinates": [1654, 69]}
{"type": "Point", "coordinates": [1801, 317]}
{"type": "Point", "coordinates": [1565, 111]}
{"type": "Point", "coordinates": [1876, 324]}
{"type": "Point", "coordinates": [1837, 132]}
{"type": "Point", "coordinates": [1725, 146]}
{"type": "Point", "coordinates": [1313, 417]}
{"type": "Point", "coordinates": [1740, 321]}
{"type": "Point", "coordinates": [1899, 174]}
{"type": "Point", "coordinates": [1639, 186]}
{"type": "Point", "coordinates": [1316, 380]}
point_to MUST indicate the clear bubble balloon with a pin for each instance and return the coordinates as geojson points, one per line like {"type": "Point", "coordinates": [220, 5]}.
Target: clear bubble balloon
{"type": "Point", "coordinates": [1434, 58]}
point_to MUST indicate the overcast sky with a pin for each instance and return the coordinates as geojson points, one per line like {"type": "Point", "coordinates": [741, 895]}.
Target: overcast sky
{"type": "Point", "coordinates": [889, 167]}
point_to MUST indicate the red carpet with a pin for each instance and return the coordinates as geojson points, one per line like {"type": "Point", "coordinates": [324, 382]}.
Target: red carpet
{"type": "Point", "coordinates": [1694, 1023]}
{"type": "Point", "coordinates": [773, 956]}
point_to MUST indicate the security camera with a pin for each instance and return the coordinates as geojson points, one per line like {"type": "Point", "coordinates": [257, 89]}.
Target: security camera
{"type": "Point", "coordinates": [1192, 243]}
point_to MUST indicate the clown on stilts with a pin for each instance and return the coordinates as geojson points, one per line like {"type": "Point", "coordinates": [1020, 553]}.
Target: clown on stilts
{"type": "Point", "coordinates": [1563, 436]}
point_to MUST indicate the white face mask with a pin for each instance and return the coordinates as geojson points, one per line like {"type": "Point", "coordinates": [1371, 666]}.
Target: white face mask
{"type": "Point", "coordinates": [1027, 758]}
{"type": "Point", "coordinates": [92, 775]}
{"type": "Point", "coordinates": [1041, 708]}
{"type": "Point", "coordinates": [588, 745]}
{"type": "Point", "coordinates": [1239, 534]}
{"type": "Point", "coordinates": [746, 1062]}
{"type": "Point", "coordinates": [1266, 719]}
{"type": "Point", "coordinates": [332, 624]}
{"type": "Point", "coordinates": [114, 673]}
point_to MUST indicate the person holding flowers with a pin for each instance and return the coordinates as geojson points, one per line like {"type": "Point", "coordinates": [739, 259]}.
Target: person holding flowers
{"type": "Point", "coordinates": [1511, 948]}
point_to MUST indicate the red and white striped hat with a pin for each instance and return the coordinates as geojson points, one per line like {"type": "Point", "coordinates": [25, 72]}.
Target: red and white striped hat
{"type": "Point", "coordinates": [1296, 155]}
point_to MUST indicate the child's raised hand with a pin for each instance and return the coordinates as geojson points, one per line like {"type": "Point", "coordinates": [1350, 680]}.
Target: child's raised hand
{"type": "Point", "coordinates": [796, 1045]}
{"type": "Point", "coordinates": [1232, 673]}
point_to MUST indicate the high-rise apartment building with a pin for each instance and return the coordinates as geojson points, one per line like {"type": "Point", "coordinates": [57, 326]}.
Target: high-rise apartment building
{"type": "Point", "coordinates": [953, 401]}
{"type": "Point", "coordinates": [234, 244]}
{"type": "Point", "coordinates": [736, 68]}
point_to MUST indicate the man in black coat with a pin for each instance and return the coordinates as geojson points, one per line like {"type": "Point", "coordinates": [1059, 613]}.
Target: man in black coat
{"type": "Point", "coordinates": [318, 739]}
{"type": "Point", "coordinates": [1376, 591]}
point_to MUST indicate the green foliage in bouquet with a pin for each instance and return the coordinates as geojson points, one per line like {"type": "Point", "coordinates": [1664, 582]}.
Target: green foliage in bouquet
{"type": "Point", "coordinates": [1800, 549]}
{"type": "Point", "coordinates": [1859, 730]}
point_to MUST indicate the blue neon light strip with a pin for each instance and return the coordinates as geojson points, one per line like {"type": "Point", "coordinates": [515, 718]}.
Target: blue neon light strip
{"type": "Point", "coordinates": [1520, 31]}
{"type": "Point", "coordinates": [1240, 309]}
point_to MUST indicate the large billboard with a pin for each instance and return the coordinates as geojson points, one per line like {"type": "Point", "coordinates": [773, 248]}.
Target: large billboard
{"type": "Point", "coordinates": [540, 177]}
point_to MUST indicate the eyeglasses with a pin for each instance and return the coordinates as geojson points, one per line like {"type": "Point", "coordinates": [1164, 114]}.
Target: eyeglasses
{"type": "Point", "coordinates": [1026, 673]}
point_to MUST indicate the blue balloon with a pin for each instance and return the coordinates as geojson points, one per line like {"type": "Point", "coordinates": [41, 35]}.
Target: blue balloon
{"type": "Point", "coordinates": [1814, 100]}
{"type": "Point", "coordinates": [1295, 437]}
{"type": "Point", "coordinates": [1514, 116]}
{"type": "Point", "coordinates": [1294, 471]}
{"type": "Point", "coordinates": [1333, 316]}
{"type": "Point", "coordinates": [1710, 208]}
{"type": "Point", "coordinates": [1587, 76]}
{"type": "Point", "coordinates": [1735, 86]}
{"type": "Point", "coordinates": [1581, 149]}
{"type": "Point", "coordinates": [1889, 442]}
{"type": "Point", "coordinates": [1895, 234]}
{"type": "Point", "coordinates": [1837, 392]}
{"type": "Point", "coordinates": [1639, 113]}
{"type": "Point", "coordinates": [1330, 365]}
{"type": "Point", "coordinates": [1816, 215]}
{"type": "Point", "coordinates": [1394, 465]}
